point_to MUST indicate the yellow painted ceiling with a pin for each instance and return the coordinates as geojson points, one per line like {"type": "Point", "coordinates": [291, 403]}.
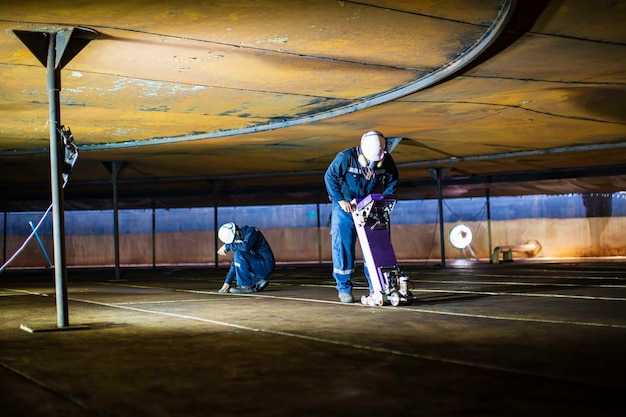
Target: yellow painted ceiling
{"type": "Point", "coordinates": [249, 101]}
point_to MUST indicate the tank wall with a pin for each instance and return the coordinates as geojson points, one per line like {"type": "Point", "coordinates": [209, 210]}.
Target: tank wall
{"type": "Point", "coordinates": [570, 226]}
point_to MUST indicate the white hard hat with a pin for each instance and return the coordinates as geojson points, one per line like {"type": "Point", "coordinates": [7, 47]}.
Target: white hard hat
{"type": "Point", "coordinates": [227, 232]}
{"type": "Point", "coordinates": [373, 145]}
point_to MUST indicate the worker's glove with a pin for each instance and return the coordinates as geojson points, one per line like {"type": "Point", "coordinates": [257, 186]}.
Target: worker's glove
{"type": "Point", "coordinates": [222, 251]}
{"type": "Point", "coordinates": [347, 207]}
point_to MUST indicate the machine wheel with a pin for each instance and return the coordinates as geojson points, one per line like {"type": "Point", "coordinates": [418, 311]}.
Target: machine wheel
{"type": "Point", "coordinates": [368, 300]}
{"type": "Point", "coordinates": [372, 300]}
{"type": "Point", "coordinates": [394, 298]}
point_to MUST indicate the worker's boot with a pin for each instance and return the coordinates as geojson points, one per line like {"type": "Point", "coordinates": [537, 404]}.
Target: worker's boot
{"type": "Point", "coordinates": [261, 284]}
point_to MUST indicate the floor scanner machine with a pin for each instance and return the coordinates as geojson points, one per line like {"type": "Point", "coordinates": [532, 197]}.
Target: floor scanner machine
{"type": "Point", "coordinates": [372, 219]}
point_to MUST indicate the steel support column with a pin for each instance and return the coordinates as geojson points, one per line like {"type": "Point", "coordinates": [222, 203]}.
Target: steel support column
{"type": "Point", "coordinates": [153, 234]}
{"type": "Point", "coordinates": [216, 202]}
{"type": "Point", "coordinates": [116, 167]}
{"type": "Point", "coordinates": [53, 84]}
{"type": "Point", "coordinates": [439, 174]}
{"type": "Point", "coordinates": [319, 233]}
{"type": "Point", "coordinates": [54, 49]}
{"type": "Point", "coordinates": [487, 195]}
{"type": "Point", "coordinates": [4, 235]}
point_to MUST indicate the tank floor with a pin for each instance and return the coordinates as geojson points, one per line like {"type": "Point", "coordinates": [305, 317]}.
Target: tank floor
{"type": "Point", "coordinates": [512, 339]}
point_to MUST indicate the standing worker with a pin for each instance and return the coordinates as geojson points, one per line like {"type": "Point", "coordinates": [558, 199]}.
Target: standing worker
{"type": "Point", "coordinates": [354, 174]}
{"type": "Point", "coordinates": [253, 260]}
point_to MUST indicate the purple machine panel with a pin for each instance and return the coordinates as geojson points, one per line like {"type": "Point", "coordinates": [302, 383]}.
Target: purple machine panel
{"type": "Point", "coordinates": [372, 221]}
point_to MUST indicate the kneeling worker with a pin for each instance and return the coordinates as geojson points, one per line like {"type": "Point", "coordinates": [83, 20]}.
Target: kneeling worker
{"type": "Point", "coordinates": [253, 260]}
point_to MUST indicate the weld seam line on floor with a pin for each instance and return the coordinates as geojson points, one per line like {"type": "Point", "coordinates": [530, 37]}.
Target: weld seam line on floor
{"type": "Point", "coordinates": [524, 294]}
{"type": "Point", "coordinates": [448, 313]}
{"type": "Point", "coordinates": [400, 309]}
{"type": "Point", "coordinates": [346, 344]}
{"type": "Point", "coordinates": [495, 293]}
{"type": "Point", "coordinates": [552, 277]}
{"type": "Point", "coordinates": [496, 282]}
{"type": "Point", "coordinates": [50, 389]}
{"type": "Point", "coordinates": [193, 300]}
{"type": "Point", "coordinates": [523, 284]}
{"type": "Point", "coordinates": [521, 294]}
{"type": "Point", "coordinates": [584, 297]}
{"type": "Point", "coordinates": [446, 282]}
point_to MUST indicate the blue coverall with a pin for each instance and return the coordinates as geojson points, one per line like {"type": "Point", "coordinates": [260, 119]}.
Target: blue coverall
{"type": "Point", "coordinates": [253, 258]}
{"type": "Point", "coordinates": [346, 180]}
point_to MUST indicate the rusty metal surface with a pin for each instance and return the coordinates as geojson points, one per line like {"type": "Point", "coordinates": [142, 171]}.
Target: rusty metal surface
{"type": "Point", "coordinates": [261, 95]}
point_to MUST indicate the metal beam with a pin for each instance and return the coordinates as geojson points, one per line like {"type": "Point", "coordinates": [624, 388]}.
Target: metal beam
{"type": "Point", "coordinates": [454, 160]}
